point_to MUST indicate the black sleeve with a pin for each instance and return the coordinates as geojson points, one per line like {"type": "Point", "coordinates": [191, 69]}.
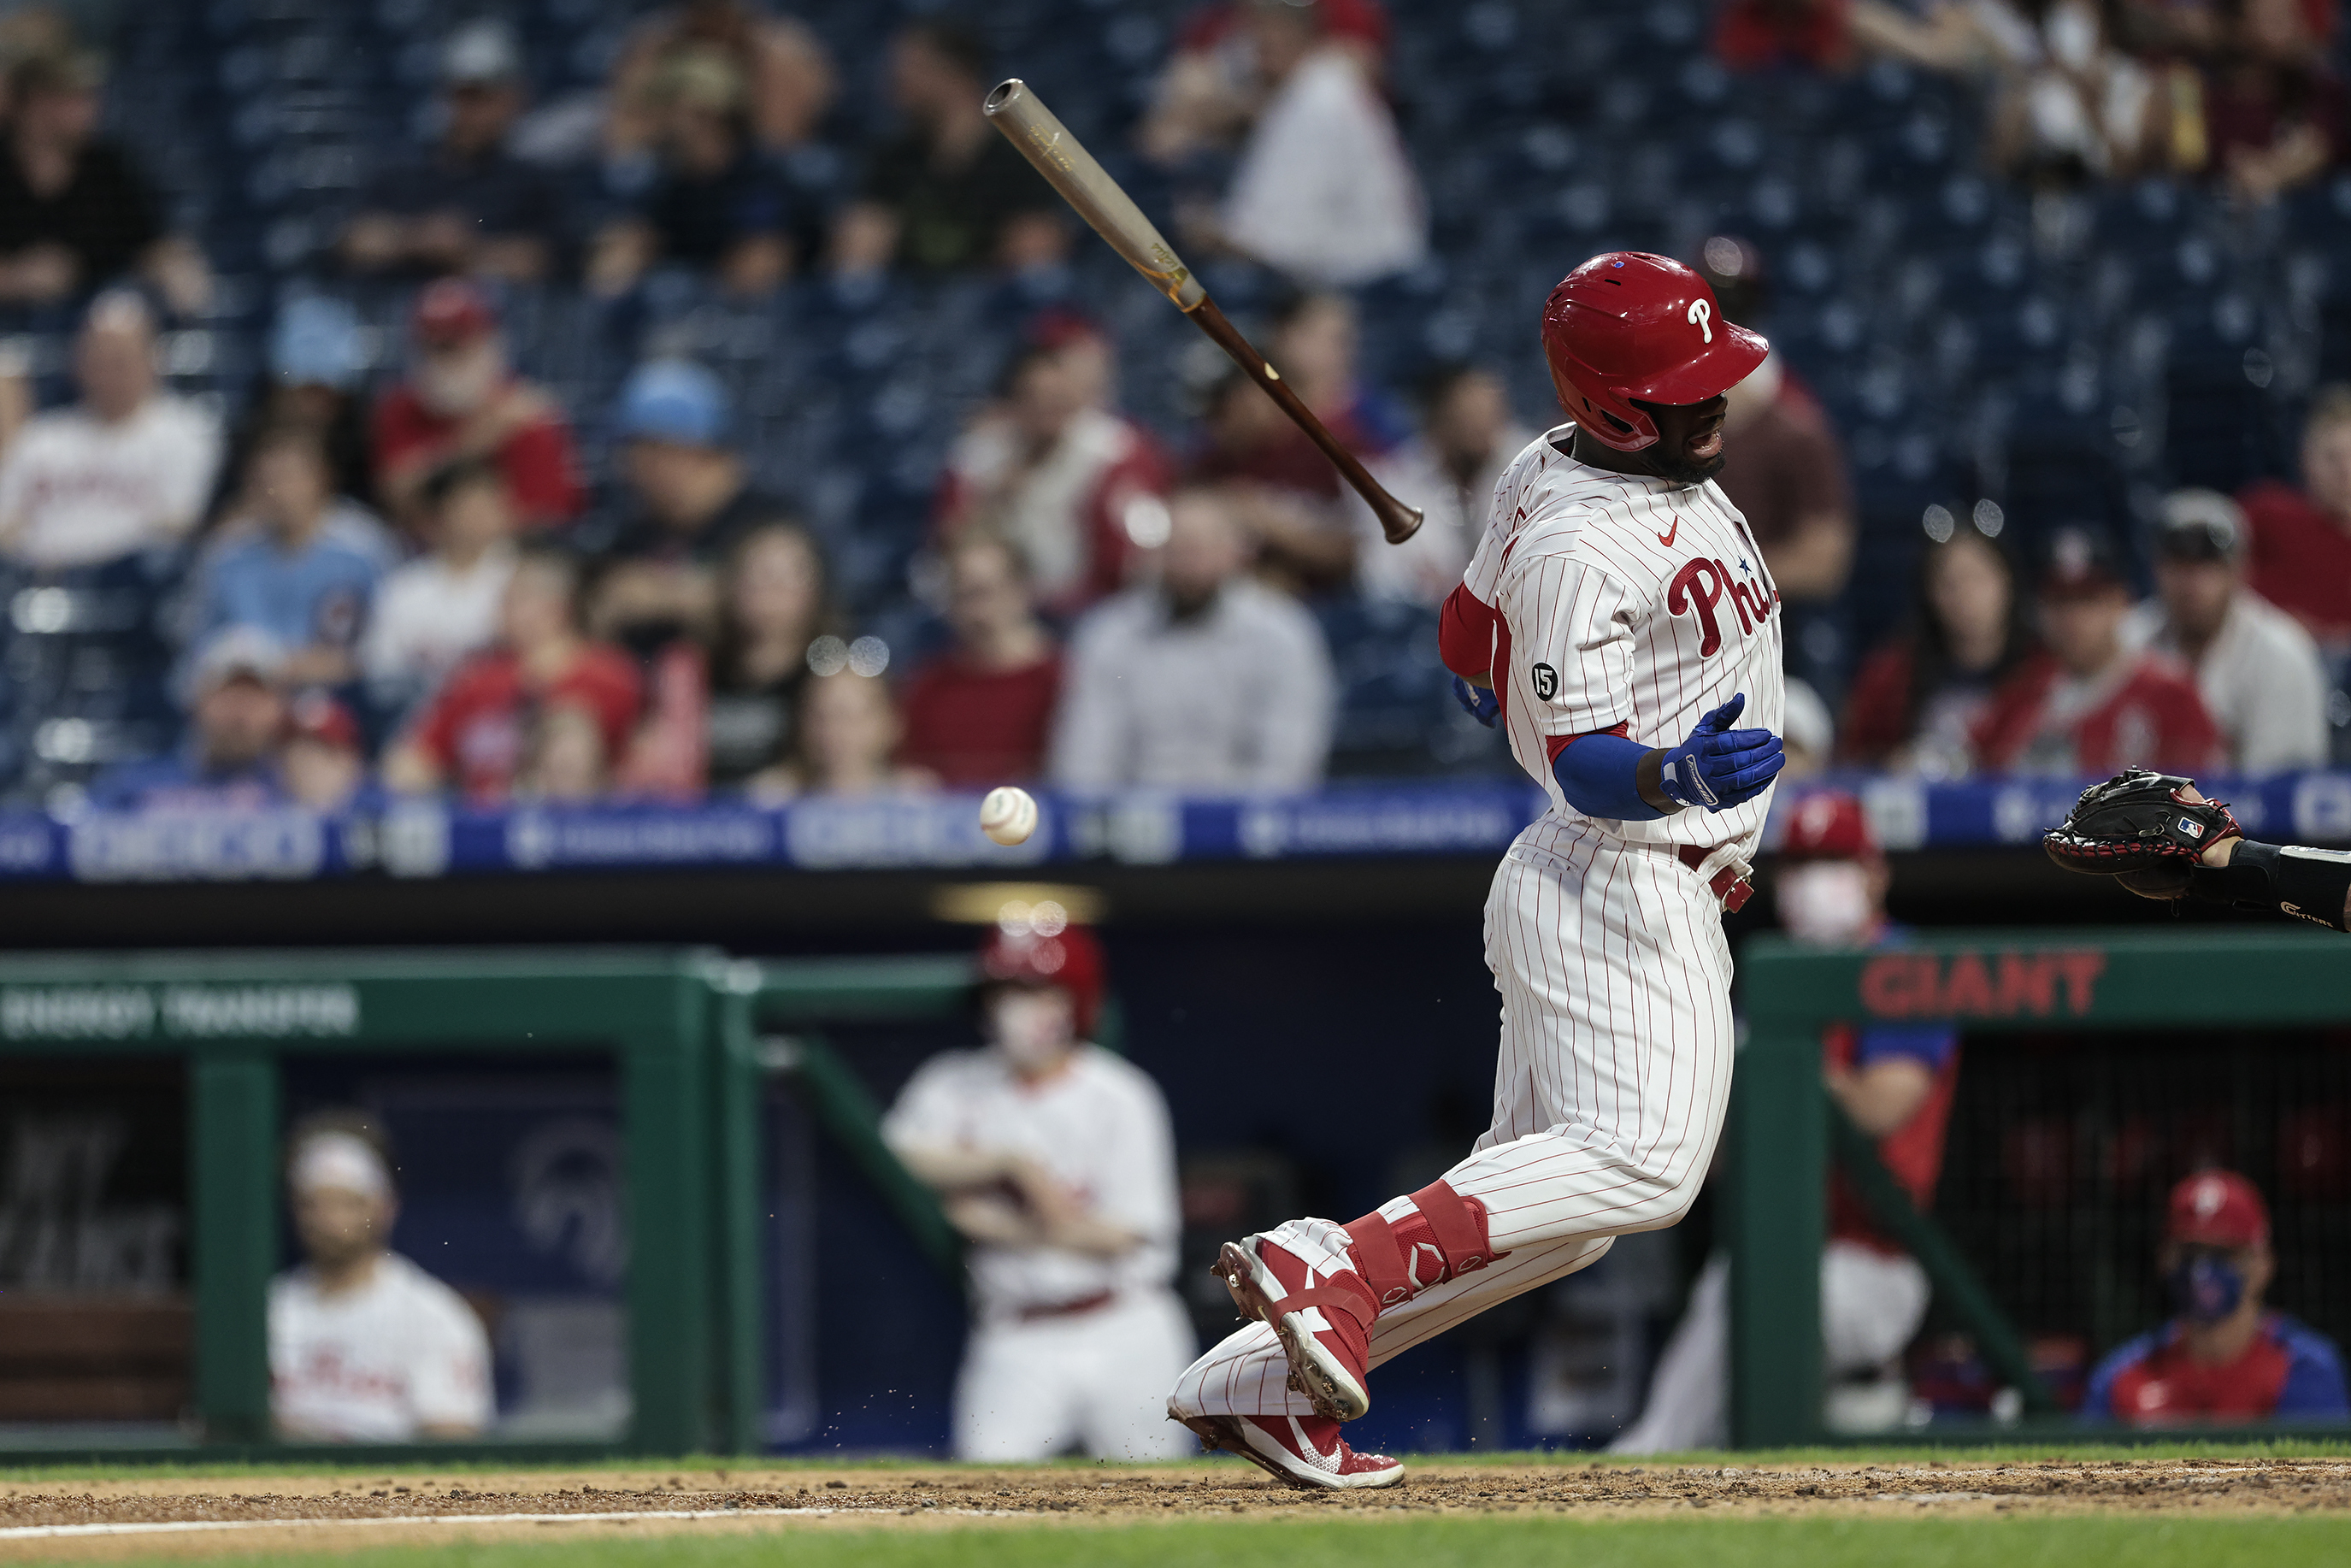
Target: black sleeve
{"type": "Point", "coordinates": [117, 215]}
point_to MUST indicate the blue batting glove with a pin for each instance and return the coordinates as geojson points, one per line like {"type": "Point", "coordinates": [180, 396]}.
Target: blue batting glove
{"type": "Point", "coordinates": [1476, 702]}
{"type": "Point", "coordinates": [1719, 767]}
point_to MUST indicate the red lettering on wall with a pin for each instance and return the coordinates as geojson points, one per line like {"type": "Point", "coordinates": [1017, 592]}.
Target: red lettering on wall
{"type": "Point", "coordinates": [1920, 985]}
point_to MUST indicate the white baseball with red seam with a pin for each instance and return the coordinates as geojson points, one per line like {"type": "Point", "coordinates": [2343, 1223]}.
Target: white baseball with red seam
{"type": "Point", "coordinates": [1009, 815]}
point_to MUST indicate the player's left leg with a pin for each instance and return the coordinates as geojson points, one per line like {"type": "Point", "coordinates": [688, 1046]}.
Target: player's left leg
{"type": "Point", "coordinates": [1249, 1372]}
{"type": "Point", "coordinates": [1134, 1348]}
{"type": "Point", "coordinates": [1871, 1305]}
{"type": "Point", "coordinates": [1015, 1398]}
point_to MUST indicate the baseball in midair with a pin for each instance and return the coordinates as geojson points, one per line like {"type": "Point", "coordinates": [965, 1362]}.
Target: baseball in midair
{"type": "Point", "coordinates": [1009, 815]}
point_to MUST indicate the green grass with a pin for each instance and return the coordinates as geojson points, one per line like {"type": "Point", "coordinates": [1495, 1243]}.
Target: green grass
{"type": "Point", "coordinates": [706, 1467]}
{"type": "Point", "coordinates": [2005, 1542]}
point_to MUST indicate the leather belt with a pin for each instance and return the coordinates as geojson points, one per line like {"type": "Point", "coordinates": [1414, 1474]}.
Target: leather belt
{"type": "Point", "coordinates": [1092, 1303]}
{"type": "Point", "coordinates": [1729, 886]}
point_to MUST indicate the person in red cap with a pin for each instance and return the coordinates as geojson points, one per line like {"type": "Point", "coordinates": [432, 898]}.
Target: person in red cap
{"type": "Point", "coordinates": [321, 762]}
{"type": "Point", "coordinates": [1895, 1084]}
{"type": "Point", "coordinates": [1619, 620]}
{"type": "Point", "coordinates": [1055, 1161]}
{"type": "Point", "coordinates": [2223, 1357]}
{"type": "Point", "coordinates": [462, 399]}
{"type": "Point", "coordinates": [2090, 703]}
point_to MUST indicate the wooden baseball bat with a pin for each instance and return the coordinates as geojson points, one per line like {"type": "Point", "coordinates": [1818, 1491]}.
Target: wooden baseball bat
{"type": "Point", "coordinates": [1070, 169]}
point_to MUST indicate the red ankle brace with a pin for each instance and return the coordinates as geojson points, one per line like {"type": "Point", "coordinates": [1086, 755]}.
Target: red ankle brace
{"type": "Point", "coordinates": [1444, 1238]}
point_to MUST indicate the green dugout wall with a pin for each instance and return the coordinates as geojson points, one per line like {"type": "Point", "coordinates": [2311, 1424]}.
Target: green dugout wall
{"type": "Point", "coordinates": [234, 1017]}
{"type": "Point", "coordinates": [1783, 1126]}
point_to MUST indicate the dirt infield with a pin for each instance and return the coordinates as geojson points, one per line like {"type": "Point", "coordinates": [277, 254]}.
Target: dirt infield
{"type": "Point", "coordinates": [118, 1518]}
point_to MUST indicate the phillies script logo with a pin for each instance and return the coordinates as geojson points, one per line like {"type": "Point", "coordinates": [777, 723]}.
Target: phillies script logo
{"type": "Point", "coordinates": [1700, 585]}
{"type": "Point", "coordinates": [1980, 984]}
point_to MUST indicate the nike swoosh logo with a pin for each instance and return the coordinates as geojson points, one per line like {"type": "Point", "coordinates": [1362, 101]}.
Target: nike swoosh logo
{"type": "Point", "coordinates": [1669, 536]}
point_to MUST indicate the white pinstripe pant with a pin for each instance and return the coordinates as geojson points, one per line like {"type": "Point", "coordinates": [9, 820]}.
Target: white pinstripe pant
{"type": "Point", "coordinates": [1609, 1092]}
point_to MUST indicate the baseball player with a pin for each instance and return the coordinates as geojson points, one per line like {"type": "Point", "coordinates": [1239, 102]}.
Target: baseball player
{"type": "Point", "coordinates": [2224, 1356]}
{"type": "Point", "coordinates": [2158, 836]}
{"type": "Point", "coordinates": [1618, 620]}
{"type": "Point", "coordinates": [1056, 1162]}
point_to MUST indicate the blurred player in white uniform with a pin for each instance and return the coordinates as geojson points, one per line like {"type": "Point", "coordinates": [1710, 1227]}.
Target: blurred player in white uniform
{"type": "Point", "coordinates": [1619, 622]}
{"type": "Point", "coordinates": [1056, 1162]}
{"type": "Point", "coordinates": [365, 1346]}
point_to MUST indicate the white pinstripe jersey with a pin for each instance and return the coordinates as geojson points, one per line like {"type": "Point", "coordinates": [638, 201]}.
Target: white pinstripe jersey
{"type": "Point", "coordinates": [1625, 599]}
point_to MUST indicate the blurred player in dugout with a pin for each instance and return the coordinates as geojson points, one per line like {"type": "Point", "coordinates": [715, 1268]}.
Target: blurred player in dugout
{"type": "Point", "coordinates": [1055, 1161]}
{"type": "Point", "coordinates": [2223, 1355]}
{"type": "Point", "coordinates": [1896, 1082]}
{"type": "Point", "coordinates": [365, 1346]}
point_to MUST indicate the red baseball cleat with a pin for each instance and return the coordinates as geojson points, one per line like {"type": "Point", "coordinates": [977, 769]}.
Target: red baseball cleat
{"type": "Point", "coordinates": [1302, 1450]}
{"type": "Point", "coordinates": [1324, 1323]}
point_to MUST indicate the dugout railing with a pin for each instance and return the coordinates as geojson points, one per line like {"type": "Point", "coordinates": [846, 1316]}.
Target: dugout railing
{"type": "Point", "coordinates": [1785, 1131]}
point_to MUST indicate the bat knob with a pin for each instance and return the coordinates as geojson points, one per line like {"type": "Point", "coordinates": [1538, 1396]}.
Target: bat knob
{"type": "Point", "coordinates": [1400, 522]}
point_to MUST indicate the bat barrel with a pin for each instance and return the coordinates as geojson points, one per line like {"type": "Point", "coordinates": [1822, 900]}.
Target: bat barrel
{"type": "Point", "coordinates": [1070, 169]}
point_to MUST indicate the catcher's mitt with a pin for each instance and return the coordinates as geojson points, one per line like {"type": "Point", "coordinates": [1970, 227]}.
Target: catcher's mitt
{"type": "Point", "coordinates": [2140, 826]}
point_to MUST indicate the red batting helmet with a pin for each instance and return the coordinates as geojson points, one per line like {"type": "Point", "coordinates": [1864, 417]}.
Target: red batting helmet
{"type": "Point", "coordinates": [1071, 959]}
{"type": "Point", "coordinates": [1628, 326]}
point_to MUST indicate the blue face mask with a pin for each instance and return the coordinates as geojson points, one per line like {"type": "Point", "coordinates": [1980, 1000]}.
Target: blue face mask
{"type": "Point", "coordinates": [2207, 1286]}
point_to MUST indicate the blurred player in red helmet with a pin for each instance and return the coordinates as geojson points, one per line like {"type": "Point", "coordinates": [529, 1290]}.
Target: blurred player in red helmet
{"type": "Point", "coordinates": [1618, 620]}
{"type": "Point", "coordinates": [1896, 1082]}
{"type": "Point", "coordinates": [2223, 1355]}
{"type": "Point", "coordinates": [1055, 1161]}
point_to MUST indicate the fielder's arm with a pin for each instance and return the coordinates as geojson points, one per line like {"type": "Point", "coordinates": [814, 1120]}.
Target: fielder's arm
{"type": "Point", "coordinates": [2310, 885]}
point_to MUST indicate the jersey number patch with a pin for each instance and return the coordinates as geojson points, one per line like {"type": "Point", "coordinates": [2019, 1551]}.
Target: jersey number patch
{"type": "Point", "coordinates": [1546, 681]}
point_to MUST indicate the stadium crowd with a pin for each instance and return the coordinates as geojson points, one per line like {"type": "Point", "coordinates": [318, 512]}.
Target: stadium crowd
{"type": "Point", "coordinates": [435, 580]}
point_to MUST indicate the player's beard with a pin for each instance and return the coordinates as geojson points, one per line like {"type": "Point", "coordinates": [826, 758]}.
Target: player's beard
{"type": "Point", "coordinates": [1676, 469]}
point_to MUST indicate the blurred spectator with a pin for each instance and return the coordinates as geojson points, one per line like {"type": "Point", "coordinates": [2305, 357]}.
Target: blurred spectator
{"type": "Point", "coordinates": [127, 469]}
{"type": "Point", "coordinates": [789, 80]}
{"type": "Point", "coordinates": [1916, 698]}
{"type": "Point", "coordinates": [434, 611]}
{"type": "Point", "coordinates": [1895, 1084]}
{"type": "Point", "coordinates": [2223, 1357]}
{"type": "Point", "coordinates": [2256, 669]}
{"type": "Point", "coordinates": [715, 204]}
{"type": "Point", "coordinates": [316, 365]}
{"type": "Point", "coordinates": [1055, 472]}
{"type": "Point", "coordinates": [688, 499]}
{"type": "Point", "coordinates": [2301, 548]}
{"type": "Point", "coordinates": [365, 1346]}
{"type": "Point", "coordinates": [949, 192]}
{"type": "Point", "coordinates": [1055, 1161]}
{"type": "Point", "coordinates": [567, 756]}
{"type": "Point", "coordinates": [2273, 107]}
{"type": "Point", "coordinates": [844, 739]}
{"type": "Point", "coordinates": [1806, 730]}
{"type": "Point", "coordinates": [1203, 680]}
{"type": "Point", "coordinates": [228, 759]}
{"type": "Point", "coordinates": [467, 204]}
{"type": "Point", "coordinates": [74, 212]}
{"type": "Point", "coordinates": [775, 599]}
{"type": "Point", "coordinates": [321, 762]}
{"type": "Point", "coordinates": [1467, 437]}
{"type": "Point", "coordinates": [1784, 467]}
{"type": "Point", "coordinates": [483, 726]}
{"type": "Point", "coordinates": [2091, 704]}
{"type": "Point", "coordinates": [306, 585]}
{"type": "Point", "coordinates": [1323, 191]}
{"type": "Point", "coordinates": [463, 399]}
{"type": "Point", "coordinates": [1756, 35]}
{"type": "Point", "coordinates": [981, 714]}
{"type": "Point", "coordinates": [1210, 88]}
{"type": "Point", "coordinates": [2075, 106]}
{"type": "Point", "coordinates": [1286, 493]}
